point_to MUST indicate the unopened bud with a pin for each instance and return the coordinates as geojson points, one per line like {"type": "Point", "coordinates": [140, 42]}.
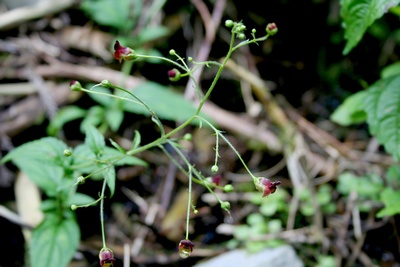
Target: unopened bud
{"type": "Point", "coordinates": [271, 29]}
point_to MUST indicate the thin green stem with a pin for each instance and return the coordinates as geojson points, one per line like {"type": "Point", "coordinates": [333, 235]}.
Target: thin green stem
{"type": "Point", "coordinates": [189, 201]}
{"type": "Point", "coordinates": [103, 232]}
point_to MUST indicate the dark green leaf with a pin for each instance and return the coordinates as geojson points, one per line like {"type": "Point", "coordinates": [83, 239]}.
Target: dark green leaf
{"type": "Point", "coordinates": [54, 243]}
{"type": "Point", "coordinates": [358, 15]}
{"type": "Point", "coordinates": [382, 105]}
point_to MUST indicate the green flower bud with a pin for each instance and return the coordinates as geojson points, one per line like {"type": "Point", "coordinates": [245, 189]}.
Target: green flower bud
{"type": "Point", "coordinates": [241, 36]}
{"type": "Point", "coordinates": [271, 29]}
{"type": "Point", "coordinates": [74, 207]}
{"type": "Point", "coordinates": [75, 85]}
{"type": "Point", "coordinates": [225, 205]}
{"type": "Point", "coordinates": [67, 153]}
{"type": "Point", "coordinates": [229, 23]}
{"type": "Point", "coordinates": [188, 137]}
{"type": "Point", "coordinates": [214, 168]}
{"type": "Point", "coordinates": [172, 52]}
{"type": "Point", "coordinates": [105, 83]}
{"type": "Point", "coordinates": [228, 188]}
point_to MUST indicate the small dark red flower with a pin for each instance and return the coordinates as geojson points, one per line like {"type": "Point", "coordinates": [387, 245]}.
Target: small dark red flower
{"type": "Point", "coordinates": [185, 248]}
{"type": "Point", "coordinates": [106, 257]}
{"type": "Point", "coordinates": [123, 53]}
{"type": "Point", "coordinates": [216, 179]}
{"type": "Point", "coordinates": [266, 186]}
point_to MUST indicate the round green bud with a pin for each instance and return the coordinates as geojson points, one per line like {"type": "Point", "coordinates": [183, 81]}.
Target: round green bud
{"type": "Point", "coordinates": [190, 59]}
{"type": "Point", "coordinates": [225, 205]}
{"type": "Point", "coordinates": [187, 137]}
{"type": "Point", "coordinates": [228, 188]}
{"type": "Point", "coordinates": [172, 52]}
{"type": "Point", "coordinates": [214, 168]}
{"type": "Point", "coordinates": [67, 153]}
{"type": "Point", "coordinates": [74, 207]}
{"type": "Point", "coordinates": [241, 36]}
{"type": "Point", "coordinates": [229, 23]}
{"type": "Point", "coordinates": [253, 31]}
{"type": "Point", "coordinates": [80, 180]}
{"type": "Point", "coordinates": [105, 83]}
{"type": "Point", "coordinates": [75, 85]}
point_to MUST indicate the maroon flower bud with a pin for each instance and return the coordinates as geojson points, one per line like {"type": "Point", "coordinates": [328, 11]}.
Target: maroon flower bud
{"type": "Point", "coordinates": [106, 257]}
{"type": "Point", "coordinates": [185, 248]}
{"type": "Point", "coordinates": [216, 179]}
{"type": "Point", "coordinates": [266, 186]}
{"type": "Point", "coordinates": [174, 75]}
{"type": "Point", "coordinates": [75, 85]}
{"type": "Point", "coordinates": [271, 29]}
{"type": "Point", "coordinates": [123, 53]}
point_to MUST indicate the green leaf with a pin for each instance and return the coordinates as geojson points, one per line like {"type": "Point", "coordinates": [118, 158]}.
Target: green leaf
{"type": "Point", "coordinates": [94, 117]}
{"type": "Point", "coordinates": [42, 161]}
{"type": "Point", "coordinates": [79, 199]}
{"type": "Point", "coordinates": [64, 115]}
{"type": "Point", "coordinates": [358, 15]}
{"type": "Point", "coordinates": [54, 242]}
{"type": "Point", "coordinates": [391, 70]}
{"type": "Point", "coordinates": [151, 33]}
{"type": "Point", "coordinates": [118, 147]}
{"type": "Point", "coordinates": [109, 175]}
{"type": "Point", "coordinates": [166, 104]}
{"type": "Point", "coordinates": [116, 14]}
{"type": "Point", "coordinates": [351, 111]}
{"type": "Point", "coordinates": [114, 118]}
{"type": "Point", "coordinates": [391, 199]}
{"type": "Point", "coordinates": [136, 140]}
{"type": "Point", "coordinates": [94, 140]}
{"type": "Point", "coordinates": [104, 100]}
{"type": "Point", "coordinates": [382, 105]}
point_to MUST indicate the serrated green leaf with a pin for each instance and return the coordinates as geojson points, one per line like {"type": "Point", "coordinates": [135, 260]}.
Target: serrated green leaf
{"type": "Point", "coordinates": [94, 139]}
{"type": "Point", "coordinates": [64, 115]}
{"type": "Point", "coordinates": [351, 111]}
{"type": "Point", "coordinates": [391, 199]}
{"type": "Point", "coordinates": [382, 105]}
{"type": "Point", "coordinates": [166, 104]}
{"type": "Point", "coordinates": [358, 15]}
{"type": "Point", "coordinates": [54, 243]}
{"type": "Point", "coordinates": [42, 161]}
{"type": "Point", "coordinates": [109, 175]}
